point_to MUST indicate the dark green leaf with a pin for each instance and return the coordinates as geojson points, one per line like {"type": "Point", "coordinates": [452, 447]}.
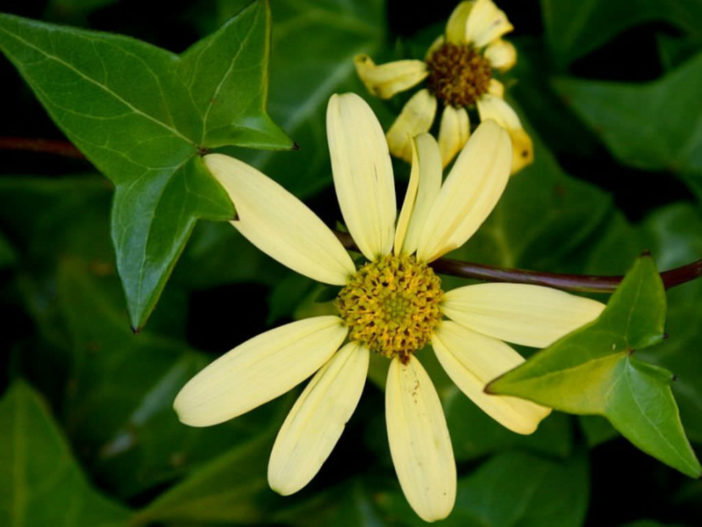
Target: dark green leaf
{"type": "Point", "coordinates": [652, 126]}
{"type": "Point", "coordinates": [575, 28]}
{"type": "Point", "coordinates": [40, 482]}
{"type": "Point", "coordinates": [141, 114]}
{"type": "Point", "coordinates": [592, 371]}
{"type": "Point", "coordinates": [7, 253]}
{"type": "Point", "coordinates": [512, 490]}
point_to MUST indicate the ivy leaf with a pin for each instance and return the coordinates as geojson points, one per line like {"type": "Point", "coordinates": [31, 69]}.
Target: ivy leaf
{"type": "Point", "coordinates": [593, 371]}
{"type": "Point", "coordinates": [142, 115]}
{"type": "Point", "coordinates": [41, 484]}
{"type": "Point", "coordinates": [573, 29]}
{"type": "Point", "coordinates": [648, 126]}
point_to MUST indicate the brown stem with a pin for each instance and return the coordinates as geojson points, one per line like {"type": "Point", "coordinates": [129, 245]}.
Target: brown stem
{"type": "Point", "coordinates": [48, 146]}
{"type": "Point", "coordinates": [569, 282]}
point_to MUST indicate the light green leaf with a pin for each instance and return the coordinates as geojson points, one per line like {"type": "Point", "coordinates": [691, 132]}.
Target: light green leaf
{"type": "Point", "coordinates": [40, 482]}
{"type": "Point", "coordinates": [593, 371]}
{"type": "Point", "coordinates": [573, 29]}
{"type": "Point", "coordinates": [513, 489]}
{"type": "Point", "coordinates": [651, 126]}
{"type": "Point", "coordinates": [142, 115]}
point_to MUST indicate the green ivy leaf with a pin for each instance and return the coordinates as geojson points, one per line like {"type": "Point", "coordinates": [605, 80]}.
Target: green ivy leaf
{"type": "Point", "coordinates": [648, 126]}
{"type": "Point", "coordinates": [573, 29]}
{"type": "Point", "coordinates": [313, 50]}
{"type": "Point", "coordinates": [142, 115]}
{"type": "Point", "coordinates": [40, 482]}
{"type": "Point", "coordinates": [593, 371]}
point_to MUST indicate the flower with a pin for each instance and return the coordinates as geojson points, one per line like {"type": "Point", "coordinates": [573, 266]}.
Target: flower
{"type": "Point", "coordinates": [458, 70]}
{"type": "Point", "coordinates": [392, 305]}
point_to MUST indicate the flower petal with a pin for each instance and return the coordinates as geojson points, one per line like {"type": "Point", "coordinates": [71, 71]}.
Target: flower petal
{"type": "Point", "coordinates": [258, 370]}
{"type": "Point", "coordinates": [316, 421]}
{"type": "Point", "coordinates": [419, 440]}
{"type": "Point", "coordinates": [501, 54]}
{"type": "Point", "coordinates": [438, 42]}
{"type": "Point", "coordinates": [456, 25]}
{"type": "Point", "coordinates": [416, 117]}
{"type": "Point", "coordinates": [529, 315]}
{"type": "Point", "coordinates": [470, 192]}
{"type": "Point", "coordinates": [279, 224]}
{"type": "Point", "coordinates": [386, 80]}
{"type": "Point", "coordinates": [424, 186]}
{"type": "Point", "coordinates": [362, 171]}
{"type": "Point", "coordinates": [486, 22]}
{"type": "Point", "coordinates": [496, 88]}
{"type": "Point", "coordinates": [491, 107]}
{"type": "Point", "coordinates": [453, 132]}
{"type": "Point", "coordinates": [472, 360]}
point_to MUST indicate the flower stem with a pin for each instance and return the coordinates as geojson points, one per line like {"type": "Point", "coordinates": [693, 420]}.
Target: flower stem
{"type": "Point", "coordinates": [48, 146]}
{"type": "Point", "coordinates": [568, 282]}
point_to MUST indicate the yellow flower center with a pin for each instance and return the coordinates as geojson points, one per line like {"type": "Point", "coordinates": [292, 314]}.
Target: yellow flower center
{"type": "Point", "coordinates": [458, 74]}
{"type": "Point", "coordinates": [392, 305]}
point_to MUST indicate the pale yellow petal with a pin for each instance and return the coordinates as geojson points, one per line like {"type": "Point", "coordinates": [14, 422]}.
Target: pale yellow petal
{"type": "Point", "coordinates": [419, 440]}
{"type": "Point", "coordinates": [386, 80]}
{"type": "Point", "coordinates": [416, 117]}
{"type": "Point", "coordinates": [501, 54]}
{"type": "Point", "coordinates": [496, 88]}
{"type": "Point", "coordinates": [362, 171]}
{"type": "Point", "coordinates": [316, 421]}
{"type": "Point", "coordinates": [486, 22]}
{"type": "Point", "coordinates": [524, 314]}
{"type": "Point", "coordinates": [456, 25]}
{"type": "Point", "coordinates": [259, 370]}
{"type": "Point", "coordinates": [472, 360]}
{"type": "Point", "coordinates": [470, 192]}
{"type": "Point", "coordinates": [426, 168]}
{"type": "Point", "coordinates": [491, 107]}
{"type": "Point", "coordinates": [408, 203]}
{"type": "Point", "coordinates": [279, 224]}
{"type": "Point", "coordinates": [453, 132]}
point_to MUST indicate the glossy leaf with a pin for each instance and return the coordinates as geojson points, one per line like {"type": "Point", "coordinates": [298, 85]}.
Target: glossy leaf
{"type": "Point", "coordinates": [651, 126]}
{"type": "Point", "coordinates": [593, 371]}
{"type": "Point", "coordinates": [575, 28]}
{"type": "Point", "coordinates": [141, 115]}
{"type": "Point", "coordinates": [41, 483]}
{"type": "Point", "coordinates": [312, 58]}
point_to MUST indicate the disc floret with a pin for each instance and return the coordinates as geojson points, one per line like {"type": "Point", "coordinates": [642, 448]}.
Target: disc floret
{"type": "Point", "coordinates": [458, 74]}
{"type": "Point", "coordinates": [391, 305]}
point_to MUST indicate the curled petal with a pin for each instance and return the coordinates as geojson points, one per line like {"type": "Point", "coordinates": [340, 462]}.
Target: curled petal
{"type": "Point", "coordinates": [491, 107]}
{"type": "Point", "coordinates": [419, 440]}
{"type": "Point", "coordinates": [416, 117]}
{"type": "Point", "coordinates": [501, 54]}
{"type": "Point", "coordinates": [386, 80]}
{"type": "Point", "coordinates": [529, 315]}
{"type": "Point", "coordinates": [486, 23]}
{"type": "Point", "coordinates": [470, 192]}
{"type": "Point", "coordinates": [258, 370]}
{"type": "Point", "coordinates": [316, 421]}
{"type": "Point", "coordinates": [424, 185]}
{"type": "Point", "coordinates": [362, 172]}
{"type": "Point", "coordinates": [472, 360]}
{"type": "Point", "coordinates": [279, 224]}
{"type": "Point", "coordinates": [454, 132]}
{"type": "Point", "coordinates": [456, 25]}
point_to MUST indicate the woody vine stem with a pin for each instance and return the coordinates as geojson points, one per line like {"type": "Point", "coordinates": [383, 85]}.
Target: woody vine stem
{"type": "Point", "coordinates": [568, 282]}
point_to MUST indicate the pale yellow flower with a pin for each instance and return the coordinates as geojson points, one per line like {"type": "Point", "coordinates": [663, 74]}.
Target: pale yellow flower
{"type": "Point", "coordinates": [458, 70]}
{"type": "Point", "coordinates": [392, 305]}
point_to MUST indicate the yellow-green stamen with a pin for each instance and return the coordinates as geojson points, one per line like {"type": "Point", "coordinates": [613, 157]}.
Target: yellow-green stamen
{"type": "Point", "coordinates": [458, 74]}
{"type": "Point", "coordinates": [392, 305]}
